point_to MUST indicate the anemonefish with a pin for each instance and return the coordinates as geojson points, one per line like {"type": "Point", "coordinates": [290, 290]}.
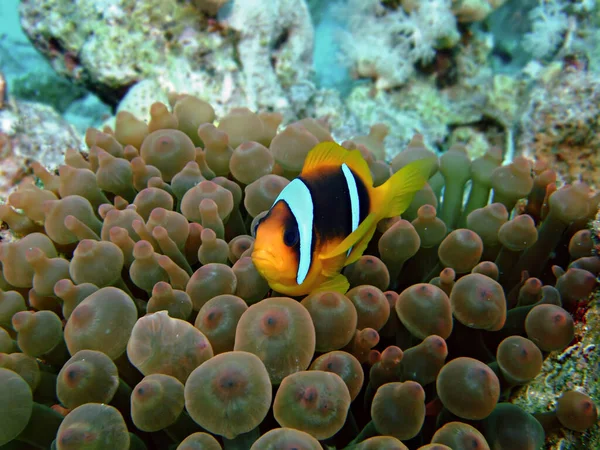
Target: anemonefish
{"type": "Point", "coordinates": [324, 219]}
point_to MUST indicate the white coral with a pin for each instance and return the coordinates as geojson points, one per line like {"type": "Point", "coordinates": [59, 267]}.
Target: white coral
{"type": "Point", "coordinates": [549, 23]}
{"type": "Point", "coordinates": [384, 44]}
{"type": "Point", "coordinates": [261, 25]}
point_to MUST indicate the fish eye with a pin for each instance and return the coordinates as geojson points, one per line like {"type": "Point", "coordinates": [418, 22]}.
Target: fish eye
{"type": "Point", "coordinates": [291, 237]}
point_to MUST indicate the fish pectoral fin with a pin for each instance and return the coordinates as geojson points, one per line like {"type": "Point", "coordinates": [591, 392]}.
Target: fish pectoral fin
{"type": "Point", "coordinates": [332, 266]}
{"type": "Point", "coordinates": [360, 247]}
{"type": "Point", "coordinates": [353, 238]}
{"type": "Point", "coordinates": [339, 283]}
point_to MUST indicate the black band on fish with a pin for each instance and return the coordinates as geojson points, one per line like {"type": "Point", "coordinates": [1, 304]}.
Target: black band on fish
{"type": "Point", "coordinates": [341, 202]}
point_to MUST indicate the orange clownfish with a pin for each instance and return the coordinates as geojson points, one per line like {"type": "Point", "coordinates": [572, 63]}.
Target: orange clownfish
{"type": "Point", "coordinates": [324, 219]}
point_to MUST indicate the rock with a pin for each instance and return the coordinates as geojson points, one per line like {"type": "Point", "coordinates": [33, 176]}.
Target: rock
{"type": "Point", "coordinates": [31, 131]}
{"type": "Point", "coordinates": [20, 61]}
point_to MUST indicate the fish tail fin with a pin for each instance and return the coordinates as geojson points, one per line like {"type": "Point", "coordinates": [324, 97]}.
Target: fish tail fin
{"type": "Point", "coordinates": [393, 197]}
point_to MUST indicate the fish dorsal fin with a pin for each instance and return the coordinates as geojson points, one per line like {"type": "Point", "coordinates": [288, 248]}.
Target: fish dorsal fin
{"type": "Point", "coordinates": [357, 163]}
{"type": "Point", "coordinates": [325, 153]}
{"type": "Point", "coordinates": [339, 283]}
{"type": "Point", "coordinates": [330, 153]}
{"type": "Point", "coordinates": [351, 240]}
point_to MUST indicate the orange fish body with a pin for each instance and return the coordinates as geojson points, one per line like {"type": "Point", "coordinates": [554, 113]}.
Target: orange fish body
{"type": "Point", "coordinates": [324, 219]}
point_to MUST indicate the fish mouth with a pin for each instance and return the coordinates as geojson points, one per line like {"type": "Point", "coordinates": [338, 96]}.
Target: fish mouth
{"type": "Point", "coordinates": [263, 256]}
{"type": "Point", "coordinates": [266, 261]}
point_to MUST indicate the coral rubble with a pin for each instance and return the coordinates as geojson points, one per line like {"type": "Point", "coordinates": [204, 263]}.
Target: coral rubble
{"type": "Point", "coordinates": [31, 132]}
{"type": "Point", "coordinates": [561, 124]}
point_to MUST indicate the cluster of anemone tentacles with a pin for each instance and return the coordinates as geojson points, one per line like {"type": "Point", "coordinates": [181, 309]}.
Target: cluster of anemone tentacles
{"type": "Point", "coordinates": [132, 316]}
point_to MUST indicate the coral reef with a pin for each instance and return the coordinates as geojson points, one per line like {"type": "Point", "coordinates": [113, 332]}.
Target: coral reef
{"type": "Point", "coordinates": [80, 41]}
{"type": "Point", "coordinates": [262, 57]}
{"type": "Point", "coordinates": [180, 45]}
{"type": "Point", "coordinates": [131, 312]}
{"type": "Point", "coordinates": [561, 124]}
{"type": "Point", "coordinates": [458, 71]}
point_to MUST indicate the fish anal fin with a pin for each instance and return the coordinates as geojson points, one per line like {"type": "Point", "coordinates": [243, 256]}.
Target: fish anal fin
{"type": "Point", "coordinates": [325, 153]}
{"type": "Point", "coordinates": [353, 238]}
{"type": "Point", "coordinates": [395, 195]}
{"type": "Point", "coordinates": [339, 283]}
